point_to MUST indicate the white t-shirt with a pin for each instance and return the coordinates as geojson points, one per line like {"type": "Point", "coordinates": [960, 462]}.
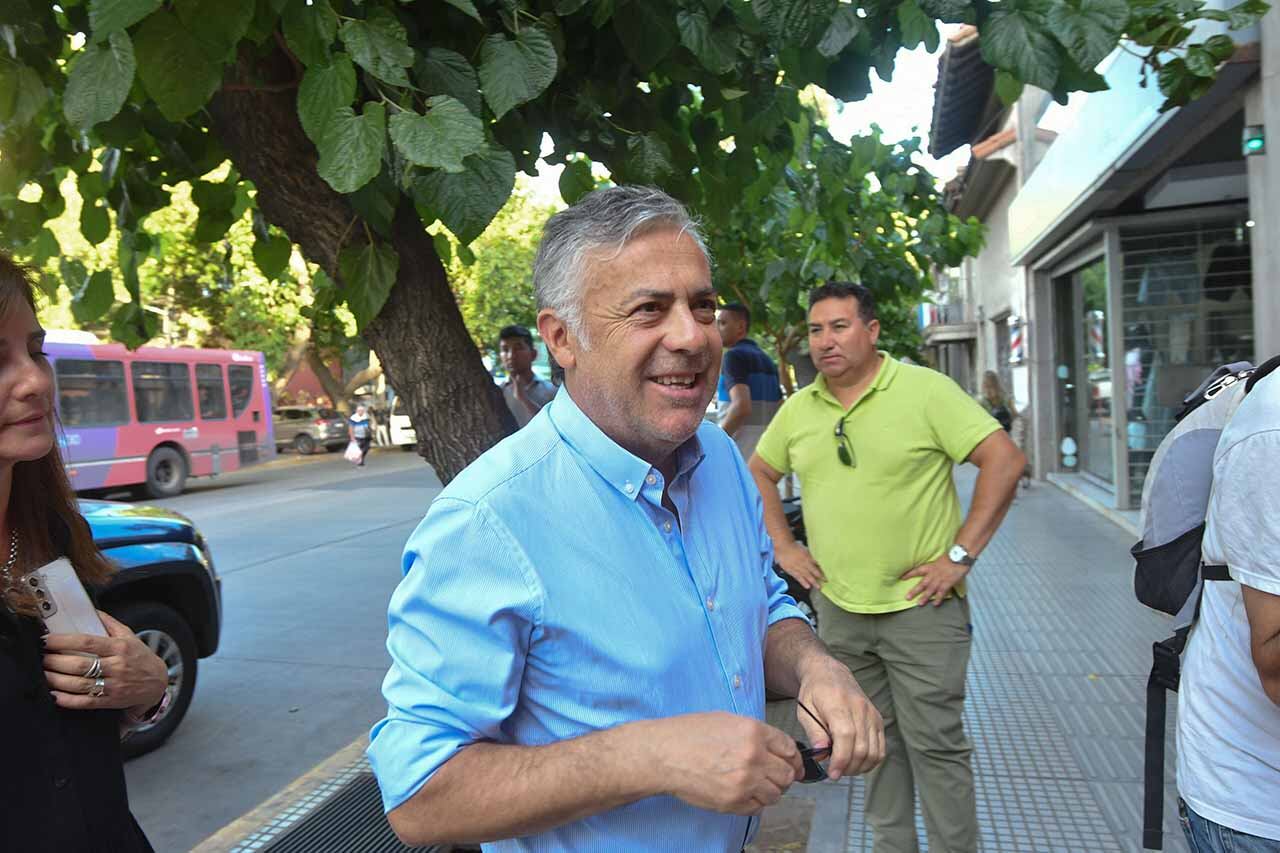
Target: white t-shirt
{"type": "Point", "coordinates": [1228, 729]}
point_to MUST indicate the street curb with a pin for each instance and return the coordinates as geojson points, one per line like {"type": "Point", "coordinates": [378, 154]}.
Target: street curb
{"type": "Point", "coordinates": [226, 839]}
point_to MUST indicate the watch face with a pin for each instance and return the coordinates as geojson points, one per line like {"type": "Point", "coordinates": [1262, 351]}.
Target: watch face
{"type": "Point", "coordinates": [957, 554]}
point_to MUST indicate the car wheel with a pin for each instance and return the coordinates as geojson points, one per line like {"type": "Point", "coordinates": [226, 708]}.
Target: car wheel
{"type": "Point", "coordinates": [304, 444]}
{"type": "Point", "coordinates": [166, 473]}
{"type": "Point", "coordinates": [168, 635]}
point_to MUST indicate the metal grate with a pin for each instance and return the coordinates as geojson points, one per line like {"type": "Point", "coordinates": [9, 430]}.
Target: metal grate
{"type": "Point", "coordinates": [350, 821]}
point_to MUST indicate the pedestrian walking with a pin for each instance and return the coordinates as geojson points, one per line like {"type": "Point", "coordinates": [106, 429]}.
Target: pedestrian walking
{"type": "Point", "coordinates": [524, 392]}
{"type": "Point", "coordinates": [873, 442]}
{"type": "Point", "coordinates": [749, 392]}
{"type": "Point", "coordinates": [997, 403]}
{"type": "Point", "coordinates": [1228, 766]}
{"type": "Point", "coordinates": [360, 430]}
{"type": "Point", "coordinates": [594, 679]}
{"type": "Point", "coordinates": [65, 699]}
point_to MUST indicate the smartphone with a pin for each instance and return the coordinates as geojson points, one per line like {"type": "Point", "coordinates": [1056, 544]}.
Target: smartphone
{"type": "Point", "coordinates": [64, 605]}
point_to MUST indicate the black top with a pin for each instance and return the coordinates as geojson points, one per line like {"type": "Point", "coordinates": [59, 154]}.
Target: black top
{"type": "Point", "coordinates": [61, 776]}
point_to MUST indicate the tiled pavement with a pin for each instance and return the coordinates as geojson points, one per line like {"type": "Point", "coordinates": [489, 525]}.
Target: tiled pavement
{"type": "Point", "coordinates": [1057, 687]}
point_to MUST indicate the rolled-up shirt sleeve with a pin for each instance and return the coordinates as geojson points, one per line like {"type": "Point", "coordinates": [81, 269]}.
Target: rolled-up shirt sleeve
{"type": "Point", "coordinates": [458, 628]}
{"type": "Point", "coordinates": [780, 603]}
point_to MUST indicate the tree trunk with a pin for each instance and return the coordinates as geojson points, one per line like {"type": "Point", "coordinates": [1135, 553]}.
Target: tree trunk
{"type": "Point", "coordinates": [367, 375]}
{"type": "Point", "coordinates": [419, 336]}
{"type": "Point", "coordinates": [332, 385]}
{"type": "Point", "coordinates": [297, 352]}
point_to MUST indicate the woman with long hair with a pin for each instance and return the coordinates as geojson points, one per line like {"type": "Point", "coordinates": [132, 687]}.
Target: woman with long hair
{"type": "Point", "coordinates": [996, 401]}
{"type": "Point", "coordinates": [65, 699]}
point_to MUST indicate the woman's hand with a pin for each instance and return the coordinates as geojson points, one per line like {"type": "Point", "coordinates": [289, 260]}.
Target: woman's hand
{"type": "Point", "coordinates": [133, 677]}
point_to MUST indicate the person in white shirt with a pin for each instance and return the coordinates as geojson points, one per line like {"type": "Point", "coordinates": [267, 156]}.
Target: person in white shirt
{"type": "Point", "coordinates": [524, 392]}
{"type": "Point", "coordinates": [1229, 699]}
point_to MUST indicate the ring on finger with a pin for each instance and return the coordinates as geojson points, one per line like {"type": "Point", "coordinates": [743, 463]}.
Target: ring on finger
{"type": "Point", "coordinates": [95, 668]}
{"type": "Point", "coordinates": [99, 687]}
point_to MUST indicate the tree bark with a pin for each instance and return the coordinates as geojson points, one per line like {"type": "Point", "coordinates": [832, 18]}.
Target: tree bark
{"type": "Point", "coordinates": [297, 352]}
{"type": "Point", "coordinates": [331, 384]}
{"type": "Point", "coordinates": [419, 335]}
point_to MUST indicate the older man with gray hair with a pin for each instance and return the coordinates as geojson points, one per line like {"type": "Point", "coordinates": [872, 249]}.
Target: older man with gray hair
{"type": "Point", "coordinates": [589, 617]}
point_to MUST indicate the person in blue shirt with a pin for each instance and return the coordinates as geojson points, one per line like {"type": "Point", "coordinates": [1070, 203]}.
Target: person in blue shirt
{"type": "Point", "coordinates": [589, 616]}
{"type": "Point", "coordinates": [749, 393]}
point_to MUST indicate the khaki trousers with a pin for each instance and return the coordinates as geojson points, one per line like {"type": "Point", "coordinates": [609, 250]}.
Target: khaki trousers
{"type": "Point", "coordinates": [912, 666]}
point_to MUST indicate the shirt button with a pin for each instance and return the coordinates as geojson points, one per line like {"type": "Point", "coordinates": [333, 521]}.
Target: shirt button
{"type": "Point", "coordinates": [737, 681]}
{"type": "Point", "coordinates": [666, 525]}
{"type": "Point", "coordinates": [628, 488]}
{"type": "Point", "coordinates": [651, 480]}
{"type": "Point", "coordinates": [711, 603]}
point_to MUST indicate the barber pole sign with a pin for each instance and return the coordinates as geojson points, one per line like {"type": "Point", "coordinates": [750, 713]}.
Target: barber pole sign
{"type": "Point", "coordinates": [1017, 340]}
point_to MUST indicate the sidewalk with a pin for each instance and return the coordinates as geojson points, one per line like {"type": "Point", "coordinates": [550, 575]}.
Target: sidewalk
{"type": "Point", "coordinates": [1055, 710]}
{"type": "Point", "coordinates": [1057, 691]}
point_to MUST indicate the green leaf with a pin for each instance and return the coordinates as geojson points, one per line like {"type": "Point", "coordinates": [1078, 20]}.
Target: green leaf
{"type": "Point", "coordinates": [568, 7]}
{"type": "Point", "coordinates": [845, 25]}
{"type": "Point", "coordinates": [132, 326]}
{"type": "Point", "coordinates": [515, 72]}
{"type": "Point", "coordinates": [1201, 62]}
{"type": "Point", "coordinates": [949, 11]}
{"type": "Point", "coordinates": [444, 249]}
{"type": "Point", "coordinates": [442, 72]}
{"type": "Point", "coordinates": [376, 201]}
{"type": "Point", "coordinates": [272, 254]}
{"type": "Point", "coordinates": [1017, 41]}
{"type": "Point", "coordinates": [309, 30]}
{"type": "Point", "coordinates": [324, 89]}
{"type": "Point", "coordinates": [576, 180]}
{"type": "Point", "coordinates": [646, 31]}
{"type": "Point", "coordinates": [213, 197]}
{"type": "Point", "coordinates": [91, 296]}
{"type": "Point", "coordinates": [368, 274]}
{"type": "Point", "coordinates": [351, 148]}
{"type": "Point", "coordinates": [716, 48]}
{"type": "Point", "coordinates": [173, 66]}
{"type": "Point", "coordinates": [218, 25]}
{"type": "Point", "coordinates": [648, 158]}
{"type": "Point", "coordinates": [26, 95]}
{"type": "Point", "coordinates": [465, 6]}
{"type": "Point", "coordinates": [1221, 47]}
{"type": "Point", "coordinates": [916, 26]}
{"type": "Point", "coordinates": [1008, 87]}
{"type": "Point", "coordinates": [379, 45]}
{"type": "Point", "coordinates": [441, 138]}
{"type": "Point", "coordinates": [1089, 29]}
{"type": "Point", "coordinates": [467, 201]}
{"type": "Point", "coordinates": [95, 225]}
{"type": "Point", "coordinates": [43, 247]}
{"type": "Point", "coordinates": [794, 22]}
{"type": "Point", "coordinates": [109, 16]}
{"type": "Point", "coordinates": [99, 82]}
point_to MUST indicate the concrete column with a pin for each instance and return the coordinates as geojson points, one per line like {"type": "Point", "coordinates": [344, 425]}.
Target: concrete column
{"type": "Point", "coordinates": [1042, 448]}
{"type": "Point", "coordinates": [1262, 103]}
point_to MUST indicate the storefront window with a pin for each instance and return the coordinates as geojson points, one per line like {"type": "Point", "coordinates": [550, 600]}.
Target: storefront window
{"type": "Point", "coordinates": [1187, 307]}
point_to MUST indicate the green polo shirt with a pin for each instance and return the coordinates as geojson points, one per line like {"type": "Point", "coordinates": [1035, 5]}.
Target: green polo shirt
{"type": "Point", "coordinates": [897, 508]}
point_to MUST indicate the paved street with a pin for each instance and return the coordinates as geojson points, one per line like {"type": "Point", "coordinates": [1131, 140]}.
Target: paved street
{"type": "Point", "coordinates": [308, 550]}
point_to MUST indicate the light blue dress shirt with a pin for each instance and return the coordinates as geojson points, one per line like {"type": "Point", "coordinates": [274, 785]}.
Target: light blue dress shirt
{"type": "Point", "coordinates": [548, 594]}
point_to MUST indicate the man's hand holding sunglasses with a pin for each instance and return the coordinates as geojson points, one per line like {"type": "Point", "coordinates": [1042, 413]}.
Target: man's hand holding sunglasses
{"type": "Point", "coordinates": [837, 716]}
{"type": "Point", "coordinates": [721, 762]}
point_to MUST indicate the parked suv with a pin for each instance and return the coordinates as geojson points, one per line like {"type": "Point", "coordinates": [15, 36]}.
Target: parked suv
{"type": "Point", "coordinates": [166, 590]}
{"type": "Point", "coordinates": [306, 428]}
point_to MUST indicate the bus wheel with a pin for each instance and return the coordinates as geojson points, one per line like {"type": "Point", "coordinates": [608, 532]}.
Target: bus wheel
{"type": "Point", "coordinates": [166, 473]}
{"type": "Point", "coordinates": [304, 444]}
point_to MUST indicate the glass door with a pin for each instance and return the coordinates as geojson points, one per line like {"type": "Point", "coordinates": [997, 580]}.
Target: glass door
{"type": "Point", "coordinates": [1083, 371]}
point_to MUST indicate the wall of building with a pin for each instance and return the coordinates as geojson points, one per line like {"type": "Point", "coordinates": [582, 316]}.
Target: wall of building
{"type": "Point", "coordinates": [1262, 107]}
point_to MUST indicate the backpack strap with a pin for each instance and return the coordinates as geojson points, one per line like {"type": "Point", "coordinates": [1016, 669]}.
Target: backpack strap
{"type": "Point", "coordinates": [1261, 371]}
{"type": "Point", "coordinates": [1165, 673]}
{"type": "Point", "coordinates": [1213, 573]}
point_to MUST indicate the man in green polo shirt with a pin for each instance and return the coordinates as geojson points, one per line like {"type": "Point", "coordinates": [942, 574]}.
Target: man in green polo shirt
{"type": "Point", "coordinates": [873, 442]}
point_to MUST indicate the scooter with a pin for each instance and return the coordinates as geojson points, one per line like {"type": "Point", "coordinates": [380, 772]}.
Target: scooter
{"type": "Point", "coordinates": [795, 520]}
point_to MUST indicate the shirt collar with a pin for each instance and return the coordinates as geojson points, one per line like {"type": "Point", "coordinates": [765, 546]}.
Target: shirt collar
{"type": "Point", "coordinates": [622, 469]}
{"type": "Point", "coordinates": [884, 377]}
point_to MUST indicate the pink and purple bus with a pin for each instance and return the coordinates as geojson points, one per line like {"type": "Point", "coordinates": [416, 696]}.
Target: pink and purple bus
{"type": "Point", "coordinates": [155, 416]}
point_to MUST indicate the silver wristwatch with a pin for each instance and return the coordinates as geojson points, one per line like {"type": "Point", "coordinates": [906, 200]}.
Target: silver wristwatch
{"type": "Point", "coordinates": [958, 554]}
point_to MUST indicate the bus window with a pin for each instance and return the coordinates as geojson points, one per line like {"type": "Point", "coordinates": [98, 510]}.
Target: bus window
{"type": "Point", "coordinates": [162, 391]}
{"type": "Point", "coordinates": [212, 393]}
{"type": "Point", "coordinates": [91, 393]}
{"type": "Point", "coordinates": [240, 377]}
